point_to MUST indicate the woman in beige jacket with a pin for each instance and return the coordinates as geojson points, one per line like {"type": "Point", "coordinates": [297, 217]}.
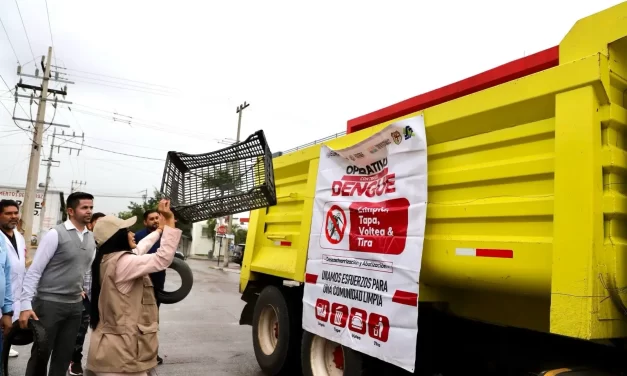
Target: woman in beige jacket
{"type": "Point", "coordinates": [124, 315]}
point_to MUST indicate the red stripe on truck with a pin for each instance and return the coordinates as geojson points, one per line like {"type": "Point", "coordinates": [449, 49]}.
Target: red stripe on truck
{"type": "Point", "coordinates": [508, 72]}
{"type": "Point", "coordinates": [405, 297]}
{"type": "Point", "coordinates": [498, 253]}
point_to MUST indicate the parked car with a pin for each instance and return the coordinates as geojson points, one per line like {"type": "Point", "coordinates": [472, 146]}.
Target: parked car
{"type": "Point", "coordinates": [238, 254]}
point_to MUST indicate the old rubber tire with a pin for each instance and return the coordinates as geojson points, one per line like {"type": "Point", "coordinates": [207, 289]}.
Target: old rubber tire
{"type": "Point", "coordinates": [35, 334]}
{"type": "Point", "coordinates": [187, 280]}
{"type": "Point", "coordinates": [276, 332]}
{"type": "Point", "coordinates": [321, 357]}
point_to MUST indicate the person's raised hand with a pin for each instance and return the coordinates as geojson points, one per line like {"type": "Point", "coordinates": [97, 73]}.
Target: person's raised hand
{"type": "Point", "coordinates": [166, 217]}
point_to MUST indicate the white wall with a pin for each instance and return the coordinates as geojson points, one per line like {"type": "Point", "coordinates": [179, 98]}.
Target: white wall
{"type": "Point", "coordinates": [200, 245]}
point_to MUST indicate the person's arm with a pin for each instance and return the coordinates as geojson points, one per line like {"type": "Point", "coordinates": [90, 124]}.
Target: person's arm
{"type": "Point", "coordinates": [131, 267]}
{"type": "Point", "coordinates": [144, 245]}
{"type": "Point", "coordinates": [45, 251]}
{"type": "Point", "coordinates": [7, 305]}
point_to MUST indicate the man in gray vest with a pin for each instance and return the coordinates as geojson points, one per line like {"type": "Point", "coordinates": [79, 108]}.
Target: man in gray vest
{"type": "Point", "coordinates": [53, 285]}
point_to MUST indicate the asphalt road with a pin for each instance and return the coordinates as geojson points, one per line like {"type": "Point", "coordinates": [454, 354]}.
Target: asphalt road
{"type": "Point", "coordinates": [199, 336]}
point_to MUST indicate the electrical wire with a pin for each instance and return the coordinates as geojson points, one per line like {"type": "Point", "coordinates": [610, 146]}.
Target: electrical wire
{"type": "Point", "coordinates": [8, 87]}
{"type": "Point", "coordinates": [123, 143]}
{"type": "Point", "coordinates": [113, 151]}
{"type": "Point", "coordinates": [51, 121]}
{"type": "Point", "coordinates": [134, 168]}
{"type": "Point", "coordinates": [76, 120]}
{"type": "Point", "coordinates": [8, 111]}
{"type": "Point", "coordinates": [121, 83]}
{"type": "Point", "coordinates": [145, 123]}
{"type": "Point", "coordinates": [50, 28]}
{"type": "Point", "coordinates": [10, 43]}
{"type": "Point", "coordinates": [132, 123]}
{"type": "Point", "coordinates": [25, 32]}
{"type": "Point", "coordinates": [11, 131]}
{"type": "Point", "coordinates": [126, 88]}
{"type": "Point", "coordinates": [30, 61]}
{"type": "Point", "coordinates": [119, 78]}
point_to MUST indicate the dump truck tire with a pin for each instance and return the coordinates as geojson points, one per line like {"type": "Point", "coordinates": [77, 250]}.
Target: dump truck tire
{"type": "Point", "coordinates": [187, 280]}
{"type": "Point", "coordinates": [276, 333]}
{"type": "Point", "coordinates": [35, 334]}
{"type": "Point", "coordinates": [321, 357]}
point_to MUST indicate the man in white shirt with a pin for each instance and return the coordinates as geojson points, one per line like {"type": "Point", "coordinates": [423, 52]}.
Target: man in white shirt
{"type": "Point", "coordinates": [9, 218]}
{"type": "Point", "coordinates": [53, 286]}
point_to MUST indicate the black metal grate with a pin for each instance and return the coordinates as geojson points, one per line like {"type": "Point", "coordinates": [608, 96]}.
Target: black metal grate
{"type": "Point", "coordinates": [232, 180]}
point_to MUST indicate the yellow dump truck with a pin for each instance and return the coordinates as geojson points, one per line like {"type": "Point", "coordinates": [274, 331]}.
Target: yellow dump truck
{"type": "Point", "coordinates": [528, 159]}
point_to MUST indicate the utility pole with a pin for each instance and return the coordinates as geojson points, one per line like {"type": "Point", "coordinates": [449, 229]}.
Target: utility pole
{"type": "Point", "coordinates": [76, 185]}
{"type": "Point", "coordinates": [43, 201]}
{"type": "Point", "coordinates": [49, 163]}
{"type": "Point", "coordinates": [240, 109]}
{"type": "Point", "coordinates": [145, 196]}
{"type": "Point", "coordinates": [35, 155]}
{"type": "Point", "coordinates": [30, 194]}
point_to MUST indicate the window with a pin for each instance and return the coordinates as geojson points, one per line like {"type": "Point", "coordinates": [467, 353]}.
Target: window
{"type": "Point", "coordinates": [205, 232]}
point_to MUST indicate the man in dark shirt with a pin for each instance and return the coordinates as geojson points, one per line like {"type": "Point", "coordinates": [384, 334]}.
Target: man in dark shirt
{"type": "Point", "coordinates": [151, 223]}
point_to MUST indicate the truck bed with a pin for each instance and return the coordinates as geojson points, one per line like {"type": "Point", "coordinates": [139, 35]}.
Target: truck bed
{"type": "Point", "coordinates": [527, 212]}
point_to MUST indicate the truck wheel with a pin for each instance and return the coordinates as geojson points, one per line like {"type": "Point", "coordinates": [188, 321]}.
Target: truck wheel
{"type": "Point", "coordinates": [321, 357]}
{"type": "Point", "coordinates": [276, 333]}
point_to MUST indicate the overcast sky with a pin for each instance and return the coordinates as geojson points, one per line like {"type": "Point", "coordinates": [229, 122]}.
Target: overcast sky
{"type": "Point", "coordinates": [304, 69]}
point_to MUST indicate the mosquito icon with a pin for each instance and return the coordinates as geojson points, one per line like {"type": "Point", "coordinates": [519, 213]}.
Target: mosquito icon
{"type": "Point", "coordinates": [338, 220]}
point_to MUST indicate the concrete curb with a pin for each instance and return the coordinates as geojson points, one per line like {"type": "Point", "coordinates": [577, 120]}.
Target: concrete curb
{"type": "Point", "coordinates": [228, 270]}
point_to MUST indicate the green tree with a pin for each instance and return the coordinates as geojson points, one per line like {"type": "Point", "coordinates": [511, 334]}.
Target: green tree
{"type": "Point", "coordinates": [211, 232]}
{"type": "Point", "coordinates": [138, 209]}
{"type": "Point", "coordinates": [240, 236]}
{"type": "Point", "coordinates": [222, 180]}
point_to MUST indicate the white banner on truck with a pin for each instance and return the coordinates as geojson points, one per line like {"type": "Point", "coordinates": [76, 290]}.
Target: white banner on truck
{"type": "Point", "coordinates": [365, 246]}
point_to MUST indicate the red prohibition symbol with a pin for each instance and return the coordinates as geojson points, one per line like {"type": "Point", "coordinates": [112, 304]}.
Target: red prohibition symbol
{"type": "Point", "coordinates": [335, 224]}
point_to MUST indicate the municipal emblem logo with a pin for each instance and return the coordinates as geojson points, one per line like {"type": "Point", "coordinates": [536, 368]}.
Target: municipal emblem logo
{"type": "Point", "coordinates": [397, 137]}
{"type": "Point", "coordinates": [409, 132]}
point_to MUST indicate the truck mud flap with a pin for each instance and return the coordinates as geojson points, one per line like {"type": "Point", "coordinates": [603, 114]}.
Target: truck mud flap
{"type": "Point", "coordinates": [250, 295]}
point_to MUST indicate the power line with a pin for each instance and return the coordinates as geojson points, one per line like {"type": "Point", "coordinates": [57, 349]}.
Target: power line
{"type": "Point", "coordinates": [116, 160]}
{"type": "Point", "coordinates": [123, 143]}
{"type": "Point", "coordinates": [17, 125]}
{"type": "Point", "coordinates": [77, 122]}
{"type": "Point", "coordinates": [11, 43]}
{"type": "Point", "coordinates": [8, 87]}
{"type": "Point", "coordinates": [126, 88]}
{"type": "Point", "coordinates": [118, 118]}
{"type": "Point", "coordinates": [117, 152]}
{"type": "Point", "coordinates": [25, 32]}
{"type": "Point", "coordinates": [134, 168]}
{"type": "Point", "coordinates": [12, 131]}
{"type": "Point", "coordinates": [50, 28]}
{"type": "Point", "coordinates": [120, 78]}
{"type": "Point", "coordinates": [120, 83]}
